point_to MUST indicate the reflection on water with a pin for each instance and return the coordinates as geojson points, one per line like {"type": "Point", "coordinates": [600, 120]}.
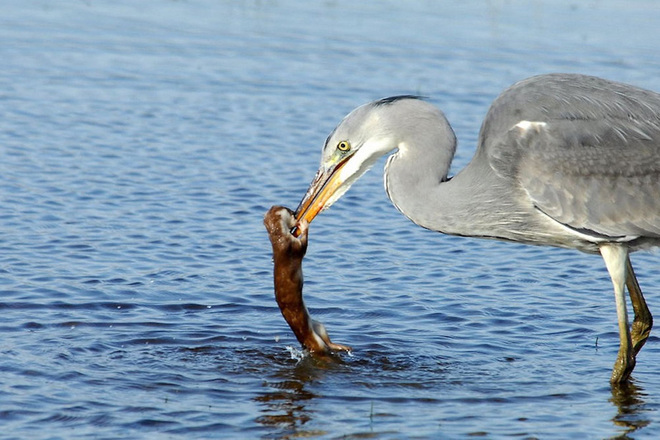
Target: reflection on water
{"type": "Point", "coordinates": [286, 401]}
{"type": "Point", "coordinates": [632, 412]}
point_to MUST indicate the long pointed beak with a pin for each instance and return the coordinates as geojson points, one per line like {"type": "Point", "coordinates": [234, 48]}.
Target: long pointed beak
{"type": "Point", "coordinates": [324, 185]}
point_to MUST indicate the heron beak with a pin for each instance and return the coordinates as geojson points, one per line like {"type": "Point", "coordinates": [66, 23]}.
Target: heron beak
{"type": "Point", "coordinates": [324, 185]}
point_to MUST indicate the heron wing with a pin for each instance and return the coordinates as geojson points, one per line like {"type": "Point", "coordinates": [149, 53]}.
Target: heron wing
{"type": "Point", "coordinates": [599, 174]}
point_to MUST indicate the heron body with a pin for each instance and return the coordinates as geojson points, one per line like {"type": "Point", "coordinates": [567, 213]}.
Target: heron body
{"type": "Point", "coordinates": [563, 160]}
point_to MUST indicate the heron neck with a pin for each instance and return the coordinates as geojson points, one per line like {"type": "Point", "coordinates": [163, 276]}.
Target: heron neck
{"type": "Point", "coordinates": [418, 186]}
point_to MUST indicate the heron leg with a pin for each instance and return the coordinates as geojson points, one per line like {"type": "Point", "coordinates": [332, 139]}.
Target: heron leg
{"type": "Point", "coordinates": [643, 322]}
{"type": "Point", "coordinates": [616, 256]}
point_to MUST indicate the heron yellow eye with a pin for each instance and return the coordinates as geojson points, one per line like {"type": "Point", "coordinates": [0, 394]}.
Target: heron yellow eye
{"type": "Point", "coordinates": [344, 146]}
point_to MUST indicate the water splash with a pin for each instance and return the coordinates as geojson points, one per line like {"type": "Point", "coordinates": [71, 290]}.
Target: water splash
{"type": "Point", "coordinates": [296, 353]}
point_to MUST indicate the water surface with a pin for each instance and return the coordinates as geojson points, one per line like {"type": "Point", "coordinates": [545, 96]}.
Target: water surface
{"type": "Point", "coordinates": [142, 142]}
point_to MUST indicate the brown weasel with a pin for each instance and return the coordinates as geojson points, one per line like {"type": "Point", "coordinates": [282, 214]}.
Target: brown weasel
{"type": "Point", "coordinates": [288, 254]}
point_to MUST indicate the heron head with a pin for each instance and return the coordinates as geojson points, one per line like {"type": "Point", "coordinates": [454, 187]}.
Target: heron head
{"type": "Point", "coordinates": [364, 135]}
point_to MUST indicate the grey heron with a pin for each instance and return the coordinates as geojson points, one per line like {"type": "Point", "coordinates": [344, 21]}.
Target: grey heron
{"type": "Point", "coordinates": [562, 160]}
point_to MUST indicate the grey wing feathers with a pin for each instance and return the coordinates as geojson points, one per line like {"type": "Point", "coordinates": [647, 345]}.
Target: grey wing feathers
{"type": "Point", "coordinates": [600, 176]}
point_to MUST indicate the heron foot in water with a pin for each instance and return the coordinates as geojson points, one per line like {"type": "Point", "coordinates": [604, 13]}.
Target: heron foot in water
{"type": "Point", "coordinates": [624, 365]}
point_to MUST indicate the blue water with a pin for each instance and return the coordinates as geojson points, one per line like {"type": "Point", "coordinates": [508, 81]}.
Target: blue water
{"type": "Point", "coordinates": [142, 142]}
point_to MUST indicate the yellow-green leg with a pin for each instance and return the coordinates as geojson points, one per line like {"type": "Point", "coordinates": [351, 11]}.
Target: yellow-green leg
{"type": "Point", "coordinates": [616, 258]}
{"type": "Point", "coordinates": [643, 322]}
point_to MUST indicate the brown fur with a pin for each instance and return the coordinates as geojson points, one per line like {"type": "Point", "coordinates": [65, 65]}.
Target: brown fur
{"type": "Point", "coordinates": [288, 254]}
